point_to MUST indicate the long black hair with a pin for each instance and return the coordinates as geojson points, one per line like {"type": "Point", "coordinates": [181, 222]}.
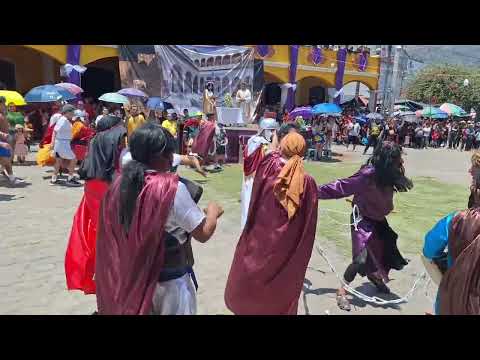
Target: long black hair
{"type": "Point", "coordinates": [146, 143]}
{"type": "Point", "coordinates": [389, 171]}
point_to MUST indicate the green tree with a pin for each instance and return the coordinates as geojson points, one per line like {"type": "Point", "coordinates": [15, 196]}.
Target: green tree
{"type": "Point", "coordinates": [438, 84]}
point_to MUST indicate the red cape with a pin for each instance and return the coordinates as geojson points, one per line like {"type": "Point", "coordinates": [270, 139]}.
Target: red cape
{"type": "Point", "coordinates": [47, 138]}
{"type": "Point", "coordinates": [80, 256]}
{"type": "Point", "coordinates": [272, 255]}
{"type": "Point", "coordinates": [128, 265]}
{"type": "Point", "coordinates": [204, 140]}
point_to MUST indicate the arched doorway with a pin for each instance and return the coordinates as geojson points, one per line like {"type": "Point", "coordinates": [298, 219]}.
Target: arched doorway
{"type": "Point", "coordinates": [317, 95]}
{"type": "Point", "coordinates": [273, 94]}
{"type": "Point", "coordinates": [7, 74]}
{"type": "Point", "coordinates": [311, 90]}
{"type": "Point", "coordinates": [102, 76]}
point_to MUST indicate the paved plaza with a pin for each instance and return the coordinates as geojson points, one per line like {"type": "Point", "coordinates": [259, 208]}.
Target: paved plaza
{"type": "Point", "coordinates": [35, 224]}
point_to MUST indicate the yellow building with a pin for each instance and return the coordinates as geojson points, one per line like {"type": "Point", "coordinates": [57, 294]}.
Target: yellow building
{"type": "Point", "coordinates": [316, 81]}
{"type": "Point", "coordinates": [25, 66]}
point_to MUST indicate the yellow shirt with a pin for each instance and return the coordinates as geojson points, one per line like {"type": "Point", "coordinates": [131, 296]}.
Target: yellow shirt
{"type": "Point", "coordinates": [133, 123]}
{"type": "Point", "coordinates": [171, 126]}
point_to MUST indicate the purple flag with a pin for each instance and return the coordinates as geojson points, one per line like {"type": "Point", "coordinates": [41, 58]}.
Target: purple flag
{"type": "Point", "coordinates": [292, 76]}
{"type": "Point", "coordinates": [317, 56]}
{"type": "Point", "coordinates": [341, 58]}
{"type": "Point", "coordinates": [362, 61]}
{"type": "Point", "coordinates": [263, 50]}
{"type": "Point", "coordinates": [73, 58]}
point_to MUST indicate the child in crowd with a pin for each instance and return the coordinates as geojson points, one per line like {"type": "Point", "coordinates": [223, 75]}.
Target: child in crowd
{"type": "Point", "coordinates": [21, 150]}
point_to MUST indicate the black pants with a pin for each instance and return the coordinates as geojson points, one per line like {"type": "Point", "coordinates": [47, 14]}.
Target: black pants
{"type": "Point", "coordinates": [372, 141]}
{"type": "Point", "coordinates": [418, 142]}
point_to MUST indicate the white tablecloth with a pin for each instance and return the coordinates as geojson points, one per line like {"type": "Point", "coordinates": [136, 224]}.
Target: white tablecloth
{"type": "Point", "coordinates": [229, 116]}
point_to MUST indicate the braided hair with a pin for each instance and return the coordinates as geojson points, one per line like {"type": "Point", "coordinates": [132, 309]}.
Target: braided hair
{"type": "Point", "coordinates": [146, 143]}
{"type": "Point", "coordinates": [389, 170]}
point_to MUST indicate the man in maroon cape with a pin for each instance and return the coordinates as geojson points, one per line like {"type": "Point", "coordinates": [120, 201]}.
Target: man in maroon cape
{"type": "Point", "coordinates": [274, 249]}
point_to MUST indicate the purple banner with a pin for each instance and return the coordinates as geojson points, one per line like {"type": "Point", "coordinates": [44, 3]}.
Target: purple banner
{"type": "Point", "coordinates": [292, 76]}
{"type": "Point", "coordinates": [73, 58]}
{"type": "Point", "coordinates": [341, 59]}
{"type": "Point", "coordinates": [362, 61]}
{"type": "Point", "coordinates": [263, 50]}
{"type": "Point", "coordinates": [317, 56]}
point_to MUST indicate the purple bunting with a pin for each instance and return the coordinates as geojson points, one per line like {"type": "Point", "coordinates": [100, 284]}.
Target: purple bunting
{"type": "Point", "coordinates": [73, 58]}
{"type": "Point", "coordinates": [362, 61]}
{"type": "Point", "coordinates": [263, 50]}
{"type": "Point", "coordinates": [341, 59]}
{"type": "Point", "coordinates": [317, 55]}
{"type": "Point", "coordinates": [292, 76]}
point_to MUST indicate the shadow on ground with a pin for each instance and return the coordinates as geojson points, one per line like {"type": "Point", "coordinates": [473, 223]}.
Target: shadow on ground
{"type": "Point", "coordinates": [7, 184]}
{"type": "Point", "coordinates": [26, 163]}
{"type": "Point", "coordinates": [8, 197]}
{"type": "Point", "coordinates": [366, 289]}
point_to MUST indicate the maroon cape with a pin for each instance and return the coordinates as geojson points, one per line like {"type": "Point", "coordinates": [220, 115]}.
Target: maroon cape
{"type": "Point", "coordinates": [80, 256]}
{"type": "Point", "coordinates": [204, 140]}
{"type": "Point", "coordinates": [128, 265]}
{"type": "Point", "coordinates": [252, 161]}
{"type": "Point", "coordinates": [459, 290]}
{"type": "Point", "coordinates": [272, 255]}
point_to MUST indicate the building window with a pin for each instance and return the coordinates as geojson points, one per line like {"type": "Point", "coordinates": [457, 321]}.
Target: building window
{"type": "Point", "coordinates": [226, 60]}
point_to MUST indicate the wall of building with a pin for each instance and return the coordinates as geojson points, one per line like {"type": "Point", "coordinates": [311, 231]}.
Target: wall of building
{"type": "Point", "coordinates": [32, 68]}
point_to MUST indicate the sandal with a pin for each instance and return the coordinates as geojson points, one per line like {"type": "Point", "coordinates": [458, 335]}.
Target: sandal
{"type": "Point", "coordinates": [379, 284]}
{"type": "Point", "coordinates": [343, 303]}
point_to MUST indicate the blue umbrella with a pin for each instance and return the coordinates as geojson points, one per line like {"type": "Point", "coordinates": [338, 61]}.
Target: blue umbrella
{"type": "Point", "coordinates": [326, 108]}
{"type": "Point", "coordinates": [48, 93]}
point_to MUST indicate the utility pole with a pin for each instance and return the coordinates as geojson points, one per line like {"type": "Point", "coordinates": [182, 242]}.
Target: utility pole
{"type": "Point", "coordinates": [398, 74]}
{"type": "Point", "coordinates": [387, 72]}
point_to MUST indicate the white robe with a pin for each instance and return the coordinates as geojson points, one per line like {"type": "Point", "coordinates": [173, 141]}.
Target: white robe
{"type": "Point", "coordinates": [253, 143]}
{"type": "Point", "coordinates": [244, 105]}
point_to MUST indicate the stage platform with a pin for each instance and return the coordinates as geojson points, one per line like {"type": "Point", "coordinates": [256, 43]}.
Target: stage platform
{"type": "Point", "coordinates": [237, 136]}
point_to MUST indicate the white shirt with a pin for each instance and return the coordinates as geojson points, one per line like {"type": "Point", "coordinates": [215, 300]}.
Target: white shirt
{"type": "Point", "coordinates": [426, 131]}
{"type": "Point", "coordinates": [63, 128]}
{"type": "Point", "coordinates": [54, 118]}
{"type": "Point", "coordinates": [354, 130]}
{"type": "Point", "coordinates": [184, 214]}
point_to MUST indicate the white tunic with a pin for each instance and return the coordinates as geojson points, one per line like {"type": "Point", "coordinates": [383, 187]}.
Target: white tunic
{"type": "Point", "coordinates": [245, 95]}
{"type": "Point", "coordinates": [253, 143]}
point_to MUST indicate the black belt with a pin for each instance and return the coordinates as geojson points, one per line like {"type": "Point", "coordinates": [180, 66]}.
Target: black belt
{"type": "Point", "coordinates": [172, 274]}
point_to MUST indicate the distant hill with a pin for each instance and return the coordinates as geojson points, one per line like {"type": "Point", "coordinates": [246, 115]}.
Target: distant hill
{"type": "Point", "coordinates": [468, 55]}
